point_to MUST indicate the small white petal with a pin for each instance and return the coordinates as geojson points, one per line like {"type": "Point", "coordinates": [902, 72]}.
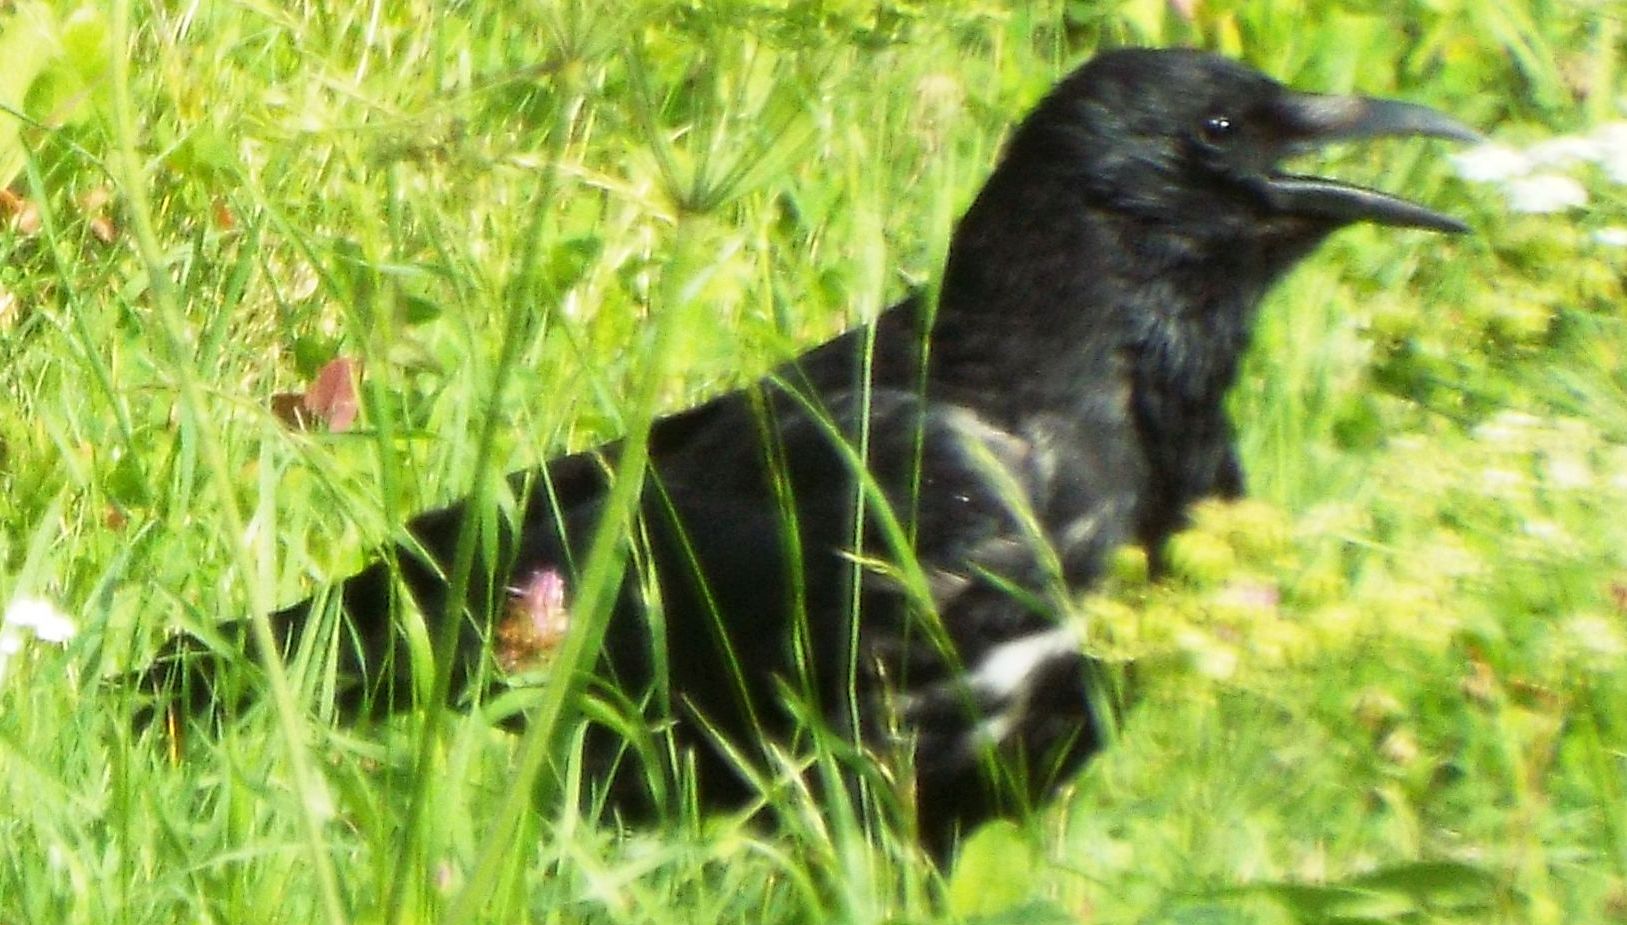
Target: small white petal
{"type": "Point", "coordinates": [1565, 151]}
{"type": "Point", "coordinates": [1499, 481]}
{"type": "Point", "coordinates": [1597, 635]}
{"type": "Point", "coordinates": [11, 641]}
{"type": "Point", "coordinates": [1545, 193]}
{"type": "Point", "coordinates": [1509, 427]}
{"type": "Point", "coordinates": [1614, 236]}
{"type": "Point", "coordinates": [1611, 135]}
{"type": "Point", "coordinates": [25, 611]}
{"type": "Point", "coordinates": [1568, 472]}
{"type": "Point", "coordinates": [47, 622]}
{"type": "Point", "coordinates": [1611, 141]}
{"type": "Point", "coordinates": [1491, 163]}
{"type": "Point", "coordinates": [58, 628]}
{"type": "Point", "coordinates": [1218, 662]}
{"type": "Point", "coordinates": [1547, 531]}
{"type": "Point", "coordinates": [1614, 165]}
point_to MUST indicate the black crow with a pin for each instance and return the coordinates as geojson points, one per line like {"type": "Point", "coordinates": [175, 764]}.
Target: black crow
{"type": "Point", "coordinates": [881, 537]}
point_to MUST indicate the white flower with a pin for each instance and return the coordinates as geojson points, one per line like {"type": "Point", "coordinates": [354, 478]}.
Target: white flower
{"type": "Point", "coordinates": [25, 615]}
{"type": "Point", "coordinates": [1491, 163]}
{"type": "Point", "coordinates": [1547, 531]}
{"type": "Point", "coordinates": [1509, 427]}
{"type": "Point", "coordinates": [1565, 151]}
{"type": "Point", "coordinates": [1611, 142]}
{"type": "Point", "coordinates": [1495, 480]}
{"type": "Point", "coordinates": [1208, 655]}
{"type": "Point", "coordinates": [1567, 472]}
{"type": "Point", "coordinates": [1596, 636]}
{"type": "Point", "coordinates": [1616, 465]}
{"type": "Point", "coordinates": [47, 622]}
{"type": "Point", "coordinates": [1543, 193]}
{"type": "Point", "coordinates": [1614, 236]}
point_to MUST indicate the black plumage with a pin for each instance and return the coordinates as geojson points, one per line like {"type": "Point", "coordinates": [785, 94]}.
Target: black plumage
{"type": "Point", "coordinates": [1063, 396]}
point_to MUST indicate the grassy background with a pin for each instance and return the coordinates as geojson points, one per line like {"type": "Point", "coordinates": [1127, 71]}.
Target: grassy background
{"type": "Point", "coordinates": [1391, 687]}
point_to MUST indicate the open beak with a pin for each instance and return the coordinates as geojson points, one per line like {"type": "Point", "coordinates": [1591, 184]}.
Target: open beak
{"type": "Point", "coordinates": [1312, 120]}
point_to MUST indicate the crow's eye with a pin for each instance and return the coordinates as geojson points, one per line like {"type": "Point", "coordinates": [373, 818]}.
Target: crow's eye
{"type": "Point", "coordinates": [1217, 129]}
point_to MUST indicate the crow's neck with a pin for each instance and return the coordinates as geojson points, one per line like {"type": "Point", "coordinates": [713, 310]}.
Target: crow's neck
{"type": "Point", "coordinates": [1044, 305]}
{"type": "Point", "coordinates": [1065, 315]}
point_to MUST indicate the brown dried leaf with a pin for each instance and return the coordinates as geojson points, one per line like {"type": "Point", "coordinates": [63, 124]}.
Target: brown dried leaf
{"type": "Point", "coordinates": [21, 212]}
{"type": "Point", "coordinates": [1400, 747]}
{"type": "Point", "coordinates": [93, 204]}
{"type": "Point", "coordinates": [103, 228]}
{"type": "Point", "coordinates": [289, 407]}
{"type": "Point", "coordinates": [225, 219]}
{"type": "Point", "coordinates": [1480, 683]}
{"type": "Point", "coordinates": [95, 200]}
{"type": "Point", "coordinates": [330, 399]}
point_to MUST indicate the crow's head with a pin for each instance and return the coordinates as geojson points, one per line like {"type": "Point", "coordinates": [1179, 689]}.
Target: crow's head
{"type": "Point", "coordinates": [1194, 141]}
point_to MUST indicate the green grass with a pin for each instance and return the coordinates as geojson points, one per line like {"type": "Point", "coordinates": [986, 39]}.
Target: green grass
{"type": "Point", "coordinates": [1390, 689]}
